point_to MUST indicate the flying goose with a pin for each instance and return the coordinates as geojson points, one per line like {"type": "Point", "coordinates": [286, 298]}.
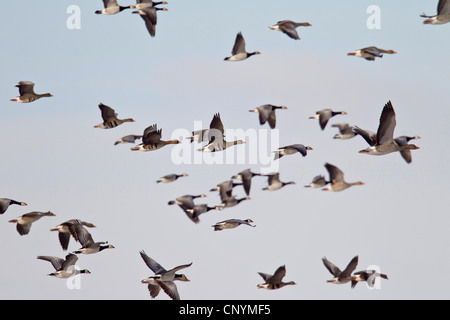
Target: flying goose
{"type": "Point", "coordinates": [230, 201]}
{"type": "Point", "coordinates": [288, 27]}
{"type": "Point", "coordinates": [217, 141]}
{"type": "Point", "coordinates": [370, 53]}
{"type": "Point", "coordinates": [5, 203]}
{"type": "Point", "coordinates": [163, 278]}
{"type": "Point", "coordinates": [148, 14]}
{"type": "Point", "coordinates": [368, 276]}
{"type": "Point", "coordinates": [140, 4]}
{"type": "Point", "coordinates": [65, 268]}
{"type": "Point", "coordinates": [186, 202]}
{"type": "Point", "coordinates": [111, 7]}
{"type": "Point", "coordinates": [246, 177]}
{"type": "Point", "coordinates": [231, 224]}
{"type": "Point", "coordinates": [266, 113]}
{"type": "Point", "coordinates": [64, 231]}
{"type": "Point", "coordinates": [27, 94]}
{"type": "Point", "coordinates": [274, 182]}
{"type": "Point", "coordinates": [85, 238]}
{"type": "Point", "coordinates": [291, 149]}
{"type": "Point", "coordinates": [336, 179]}
{"type": "Point", "coordinates": [345, 131]}
{"type": "Point", "coordinates": [109, 117]}
{"type": "Point", "coordinates": [340, 277]}
{"type": "Point", "coordinates": [24, 221]}
{"type": "Point", "coordinates": [317, 182]}
{"type": "Point", "coordinates": [443, 14]}
{"type": "Point", "coordinates": [128, 139]}
{"type": "Point", "coordinates": [225, 189]}
{"type": "Point", "coordinates": [238, 52]}
{"type": "Point", "coordinates": [199, 209]}
{"type": "Point", "coordinates": [275, 281]}
{"type": "Point", "coordinates": [384, 142]}
{"type": "Point", "coordinates": [199, 135]}
{"type": "Point", "coordinates": [170, 178]}
{"type": "Point", "coordinates": [151, 140]}
{"type": "Point", "coordinates": [325, 115]}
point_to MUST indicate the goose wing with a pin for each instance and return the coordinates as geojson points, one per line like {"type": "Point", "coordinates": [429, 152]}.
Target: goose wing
{"type": "Point", "coordinates": [107, 112]}
{"type": "Point", "coordinates": [239, 44]}
{"type": "Point", "coordinates": [335, 173]}
{"type": "Point", "coordinates": [385, 132]}
{"type": "Point", "coordinates": [334, 270]}
{"type": "Point", "coordinates": [350, 267]}
{"type": "Point", "coordinates": [152, 264]}
{"type": "Point", "coordinates": [25, 87]}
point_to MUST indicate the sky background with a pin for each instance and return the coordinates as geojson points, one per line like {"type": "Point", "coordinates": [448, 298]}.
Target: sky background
{"type": "Point", "coordinates": [53, 159]}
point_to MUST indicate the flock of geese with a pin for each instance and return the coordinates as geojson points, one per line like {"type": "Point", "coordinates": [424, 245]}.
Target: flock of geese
{"type": "Point", "coordinates": [380, 143]}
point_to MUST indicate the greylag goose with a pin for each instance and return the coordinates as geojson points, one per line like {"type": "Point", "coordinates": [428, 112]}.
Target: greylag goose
{"type": "Point", "coordinates": [266, 113]}
{"type": "Point", "coordinates": [128, 139]}
{"type": "Point", "coordinates": [325, 115]}
{"type": "Point", "coordinates": [368, 276]}
{"type": "Point", "coordinates": [170, 178]}
{"type": "Point", "coordinates": [148, 14]}
{"type": "Point", "coordinates": [141, 4]}
{"type": "Point", "coordinates": [199, 209]}
{"type": "Point", "coordinates": [109, 117]}
{"type": "Point", "coordinates": [370, 53]}
{"type": "Point", "coordinates": [288, 27]}
{"type": "Point", "coordinates": [238, 52]}
{"type": "Point", "coordinates": [85, 238]}
{"type": "Point", "coordinates": [111, 7]}
{"type": "Point", "coordinates": [5, 203]}
{"type": "Point", "coordinates": [216, 137]}
{"type": "Point", "coordinates": [341, 277]}
{"type": "Point", "coordinates": [317, 182]}
{"type": "Point", "coordinates": [151, 140]}
{"type": "Point", "coordinates": [23, 223]}
{"type": "Point", "coordinates": [384, 142]}
{"type": "Point", "coordinates": [274, 182]}
{"type": "Point", "coordinates": [65, 268]}
{"type": "Point", "coordinates": [246, 178]}
{"type": "Point", "coordinates": [291, 149]}
{"type": "Point", "coordinates": [27, 94]}
{"type": "Point", "coordinates": [336, 178]}
{"type": "Point", "coordinates": [275, 281]}
{"type": "Point", "coordinates": [443, 14]}
{"type": "Point", "coordinates": [163, 278]}
{"type": "Point", "coordinates": [345, 131]}
{"type": "Point", "coordinates": [64, 231]}
{"type": "Point", "coordinates": [231, 224]}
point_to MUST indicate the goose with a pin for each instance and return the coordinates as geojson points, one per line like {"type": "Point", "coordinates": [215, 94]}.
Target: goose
{"type": "Point", "coordinates": [317, 182]}
{"type": "Point", "coordinates": [186, 202]}
{"type": "Point", "coordinates": [199, 135]}
{"type": "Point", "coordinates": [274, 281]}
{"type": "Point", "coordinates": [170, 178]}
{"type": "Point", "coordinates": [109, 117]}
{"type": "Point", "coordinates": [128, 139]}
{"type": "Point", "coordinates": [291, 149]}
{"type": "Point", "coordinates": [199, 209]}
{"type": "Point", "coordinates": [266, 113]}
{"type": "Point", "coordinates": [151, 140]}
{"type": "Point", "coordinates": [111, 7]}
{"type": "Point", "coordinates": [384, 142]}
{"type": "Point", "coordinates": [345, 131]}
{"type": "Point", "coordinates": [225, 189]}
{"type": "Point", "coordinates": [64, 231]}
{"type": "Point", "coordinates": [27, 94]}
{"type": "Point", "coordinates": [140, 4]}
{"type": "Point", "coordinates": [216, 137]}
{"type": "Point", "coordinates": [231, 224]}
{"type": "Point", "coordinates": [163, 278]}
{"type": "Point", "coordinates": [443, 14]}
{"type": "Point", "coordinates": [274, 182]}
{"type": "Point", "coordinates": [325, 115]}
{"type": "Point", "coordinates": [65, 268]}
{"type": "Point", "coordinates": [24, 221]}
{"type": "Point", "coordinates": [288, 27]}
{"type": "Point", "coordinates": [370, 53]}
{"type": "Point", "coordinates": [232, 201]}
{"type": "Point", "coordinates": [238, 52]}
{"type": "Point", "coordinates": [85, 238]}
{"type": "Point", "coordinates": [368, 276]}
{"type": "Point", "coordinates": [246, 178]}
{"type": "Point", "coordinates": [5, 203]}
{"type": "Point", "coordinates": [148, 14]}
{"type": "Point", "coordinates": [340, 277]}
{"type": "Point", "coordinates": [336, 178]}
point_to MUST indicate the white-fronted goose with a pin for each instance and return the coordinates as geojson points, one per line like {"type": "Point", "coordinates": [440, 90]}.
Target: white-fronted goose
{"type": "Point", "coordinates": [336, 178]}
{"type": "Point", "coordinates": [216, 137]}
{"type": "Point", "coordinates": [246, 178]}
{"type": "Point", "coordinates": [341, 277]}
{"type": "Point", "coordinates": [111, 7]}
{"type": "Point", "coordinates": [325, 115]}
{"type": "Point", "coordinates": [231, 224]}
{"type": "Point", "coordinates": [65, 268]}
{"type": "Point", "coordinates": [151, 140]}
{"type": "Point", "coordinates": [238, 52]}
{"type": "Point", "coordinates": [5, 203]}
{"type": "Point", "coordinates": [64, 231]}
{"type": "Point", "coordinates": [23, 223]}
{"type": "Point", "coordinates": [27, 94]}
{"type": "Point", "coordinates": [128, 139]}
{"type": "Point", "coordinates": [345, 131]}
{"type": "Point", "coordinates": [384, 143]}
{"type": "Point", "coordinates": [274, 182]}
{"type": "Point", "coordinates": [89, 246]}
{"type": "Point", "coordinates": [368, 276]}
{"type": "Point", "coordinates": [266, 113]}
{"type": "Point", "coordinates": [370, 53]}
{"type": "Point", "coordinates": [274, 281]}
{"type": "Point", "coordinates": [170, 178]}
{"type": "Point", "coordinates": [199, 209]}
{"type": "Point", "coordinates": [292, 149]}
{"type": "Point", "coordinates": [443, 14]}
{"type": "Point", "coordinates": [109, 117]}
{"type": "Point", "coordinates": [150, 17]}
{"type": "Point", "coordinates": [163, 278]}
{"type": "Point", "coordinates": [317, 182]}
{"type": "Point", "coordinates": [140, 4]}
{"type": "Point", "coordinates": [288, 27]}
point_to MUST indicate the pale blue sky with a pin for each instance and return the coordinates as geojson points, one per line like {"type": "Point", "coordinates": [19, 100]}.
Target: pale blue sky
{"type": "Point", "coordinates": [53, 158]}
